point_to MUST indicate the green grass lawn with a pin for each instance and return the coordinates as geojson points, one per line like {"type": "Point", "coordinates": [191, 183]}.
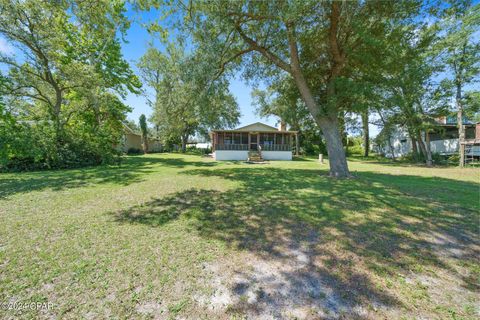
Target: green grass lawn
{"type": "Point", "coordinates": [168, 235]}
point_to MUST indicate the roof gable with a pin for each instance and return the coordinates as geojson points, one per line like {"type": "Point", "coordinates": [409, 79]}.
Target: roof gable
{"type": "Point", "coordinates": [257, 126]}
{"type": "Point", "coordinates": [128, 129]}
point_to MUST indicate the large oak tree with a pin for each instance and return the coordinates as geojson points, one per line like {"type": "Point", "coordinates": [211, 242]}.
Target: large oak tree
{"type": "Point", "coordinates": [319, 44]}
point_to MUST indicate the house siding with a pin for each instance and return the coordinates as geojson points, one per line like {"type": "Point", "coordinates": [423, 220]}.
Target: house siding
{"type": "Point", "coordinates": [134, 141]}
{"type": "Point", "coordinates": [277, 155]}
{"type": "Point", "coordinates": [242, 155]}
{"type": "Point", "coordinates": [402, 145]}
{"type": "Point", "coordinates": [239, 155]}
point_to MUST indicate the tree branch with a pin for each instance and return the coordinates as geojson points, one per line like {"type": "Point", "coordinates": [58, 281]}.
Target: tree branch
{"type": "Point", "coordinates": [224, 63]}
{"type": "Point", "coordinates": [264, 51]}
{"type": "Point", "coordinates": [337, 55]}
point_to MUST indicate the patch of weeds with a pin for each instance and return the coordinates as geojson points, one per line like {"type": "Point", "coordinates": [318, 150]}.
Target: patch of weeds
{"type": "Point", "coordinates": [389, 283]}
{"type": "Point", "coordinates": [174, 309]}
{"type": "Point", "coordinates": [420, 292]}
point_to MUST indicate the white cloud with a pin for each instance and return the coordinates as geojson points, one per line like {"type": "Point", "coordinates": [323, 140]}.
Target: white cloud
{"type": "Point", "coordinates": [5, 47]}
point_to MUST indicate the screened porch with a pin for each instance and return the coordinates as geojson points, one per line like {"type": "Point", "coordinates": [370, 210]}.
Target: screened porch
{"type": "Point", "coordinates": [265, 141]}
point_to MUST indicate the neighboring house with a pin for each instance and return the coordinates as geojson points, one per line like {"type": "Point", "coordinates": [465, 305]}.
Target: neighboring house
{"type": "Point", "coordinates": [203, 145]}
{"type": "Point", "coordinates": [443, 140]}
{"type": "Point", "coordinates": [133, 140]}
{"type": "Point", "coordinates": [256, 141]}
{"type": "Point", "coordinates": [199, 145]}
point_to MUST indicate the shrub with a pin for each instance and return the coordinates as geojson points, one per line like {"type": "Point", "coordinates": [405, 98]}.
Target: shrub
{"type": "Point", "coordinates": [355, 146]}
{"type": "Point", "coordinates": [36, 147]}
{"type": "Point", "coordinates": [134, 151]}
{"type": "Point", "coordinates": [198, 151]}
{"type": "Point", "coordinates": [419, 157]}
{"type": "Point", "coordinates": [454, 159]}
{"type": "Point", "coordinates": [310, 148]}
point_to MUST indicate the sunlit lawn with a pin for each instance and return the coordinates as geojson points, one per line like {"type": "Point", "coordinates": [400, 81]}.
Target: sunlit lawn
{"type": "Point", "coordinates": [140, 240]}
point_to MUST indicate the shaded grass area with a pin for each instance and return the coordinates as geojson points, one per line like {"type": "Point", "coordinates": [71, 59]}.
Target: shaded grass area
{"type": "Point", "coordinates": [377, 217]}
{"type": "Point", "coordinates": [131, 170]}
{"type": "Point", "coordinates": [142, 232]}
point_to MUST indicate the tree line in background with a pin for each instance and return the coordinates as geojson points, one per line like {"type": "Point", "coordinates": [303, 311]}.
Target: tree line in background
{"type": "Point", "coordinates": [189, 98]}
{"type": "Point", "coordinates": [322, 67]}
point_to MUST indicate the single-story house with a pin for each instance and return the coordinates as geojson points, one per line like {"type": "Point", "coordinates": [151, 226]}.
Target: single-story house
{"type": "Point", "coordinates": [133, 140]}
{"type": "Point", "coordinates": [256, 141]}
{"type": "Point", "coordinates": [443, 140]}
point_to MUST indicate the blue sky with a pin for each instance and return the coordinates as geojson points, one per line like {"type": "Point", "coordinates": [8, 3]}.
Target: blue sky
{"type": "Point", "coordinates": [139, 39]}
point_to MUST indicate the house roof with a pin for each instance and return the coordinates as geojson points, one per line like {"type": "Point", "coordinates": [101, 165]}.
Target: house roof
{"type": "Point", "coordinates": [129, 130]}
{"type": "Point", "coordinates": [255, 127]}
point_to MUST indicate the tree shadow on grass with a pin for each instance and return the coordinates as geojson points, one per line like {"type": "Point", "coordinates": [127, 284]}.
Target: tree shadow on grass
{"type": "Point", "coordinates": [130, 170]}
{"type": "Point", "coordinates": [337, 235]}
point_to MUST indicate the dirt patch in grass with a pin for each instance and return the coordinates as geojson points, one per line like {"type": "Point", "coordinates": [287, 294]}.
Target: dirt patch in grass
{"type": "Point", "coordinates": [290, 284]}
{"type": "Point", "coordinates": [298, 281]}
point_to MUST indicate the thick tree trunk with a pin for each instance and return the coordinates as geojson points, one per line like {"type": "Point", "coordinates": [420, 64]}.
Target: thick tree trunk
{"type": "Point", "coordinates": [414, 148]}
{"type": "Point", "coordinates": [184, 143]}
{"type": "Point", "coordinates": [327, 121]}
{"type": "Point", "coordinates": [342, 129]}
{"type": "Point", "coordinates": [330, 129]}
{"type": "Point", "coordinates": [428, 150]}
{"type": "Point", "coordinates": [421, 145]}
{"type": "Point", "coordinates": [145, 144]}
{"type": "Point", "coordinates": [336, 154]}
{"type": "Point", "coordinates": [461, 129]}
{"type": "Point", "coordinates": [366, 133]}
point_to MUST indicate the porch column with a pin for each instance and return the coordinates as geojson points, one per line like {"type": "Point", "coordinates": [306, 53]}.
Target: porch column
{"type": "Point", "coordinates": [296, 144]}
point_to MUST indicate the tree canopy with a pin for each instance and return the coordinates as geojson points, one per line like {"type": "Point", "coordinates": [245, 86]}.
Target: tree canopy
{"type": "Point", "coordinates": [321, 46]}
{"type": "Point", "coordinates": [189, 98]}
{"type": "Point", "coordinates": [68, 74]}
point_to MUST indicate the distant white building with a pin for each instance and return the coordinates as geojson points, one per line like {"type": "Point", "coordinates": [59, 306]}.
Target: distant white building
{"type": "Point", "coordinates": [444, 140]}
{"type": "Point", "coordinates": [203, 145]}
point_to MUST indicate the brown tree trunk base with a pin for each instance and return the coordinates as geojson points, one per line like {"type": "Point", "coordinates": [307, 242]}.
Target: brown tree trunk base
{"type": "Point", "coordinates": [462, 155]}
{"type": "Point", "coordinates": [336, 154]}
{"type": "Point", "coordinates": [366, 133]}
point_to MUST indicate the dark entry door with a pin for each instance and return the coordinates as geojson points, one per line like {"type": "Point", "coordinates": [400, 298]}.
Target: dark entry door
{"type": "Point", "coordinates": [253, 142]}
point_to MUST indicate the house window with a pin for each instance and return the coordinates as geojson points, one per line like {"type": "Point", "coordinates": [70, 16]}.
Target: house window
{"type": "Point", "coordinates": [244, 138]}
{"type": "Point", "coordinates": [237, 138]}
{"type": "Point", "coordinates": [267, 139]}
{"type": "Point", "coordinates": [403, 140]}
{"type": "Point", "coordinates": [228, 138]}
{"type": "Point", "coordinates": [470, 133]}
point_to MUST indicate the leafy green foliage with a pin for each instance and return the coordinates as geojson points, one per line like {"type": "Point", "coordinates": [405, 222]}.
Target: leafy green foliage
{"type": "Point", "coordinates": [144, 131]}
{"type": "Point", "coordinates": [445, 49]}
{"type": "Point", "coordinates": [32, 146]}
{"type": "Point", "coordinates": [189, 99]}
{"type": "Point", "coordinates": [65, 83]}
